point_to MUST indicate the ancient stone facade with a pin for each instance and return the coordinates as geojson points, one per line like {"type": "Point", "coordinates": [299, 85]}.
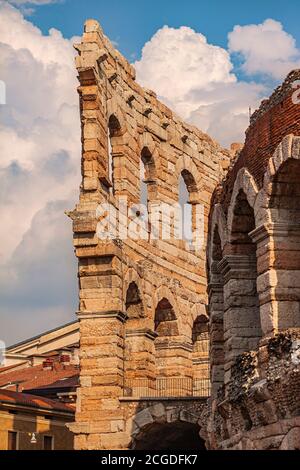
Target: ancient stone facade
{"type": "Point", "coordinates": [143, 315]}
{"type": "Point", "coordinates": [143, 299]}
{"type": "Point", "coordinates": [254, 286]}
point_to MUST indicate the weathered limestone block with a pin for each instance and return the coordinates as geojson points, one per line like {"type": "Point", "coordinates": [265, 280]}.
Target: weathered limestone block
{"type": "Point", "coordinates": [261, 408]}
{"type": "Point", "coordinates": [124, 125]}
{"type": "Point", "coordinates": [292, 440]}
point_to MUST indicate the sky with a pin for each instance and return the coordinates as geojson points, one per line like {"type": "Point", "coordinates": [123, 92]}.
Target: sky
{"type": "Point", "coordinates": [209, 61]}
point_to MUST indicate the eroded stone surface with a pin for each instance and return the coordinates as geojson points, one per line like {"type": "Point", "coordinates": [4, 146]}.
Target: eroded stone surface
{"type": "Point", "coordinates": [142, 310]}
{"type": "Point", "coordinates": [254, 281]}
{"type": "Point", "coordinates": [143, 303]}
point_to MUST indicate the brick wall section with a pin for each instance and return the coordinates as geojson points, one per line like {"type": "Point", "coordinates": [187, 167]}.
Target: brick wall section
{"type": "Point", "coordinates": [275, 118]}
{"type": "Point", "coordinates": [254, 279]}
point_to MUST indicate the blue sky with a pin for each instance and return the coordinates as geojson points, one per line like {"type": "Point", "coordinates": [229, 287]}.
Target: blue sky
{"type": "Point", "coordinates": [133, 22]}
{"type": "Point", "coordinates": [202, 64]}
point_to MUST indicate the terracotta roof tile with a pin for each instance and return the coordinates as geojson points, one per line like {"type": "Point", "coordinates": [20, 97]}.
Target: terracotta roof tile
{"type": "Point", "coordinates": [65, 382]}
{"type": "Point", "coordinates": [12, 366]}
{"type": "Point", "coordinates": [35, 377]}
{"type": "Point", "coordinates": [23, 399]}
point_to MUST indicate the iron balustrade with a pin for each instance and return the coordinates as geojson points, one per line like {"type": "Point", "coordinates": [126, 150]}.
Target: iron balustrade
{"type": "Point", "coordinates": [167, 387]}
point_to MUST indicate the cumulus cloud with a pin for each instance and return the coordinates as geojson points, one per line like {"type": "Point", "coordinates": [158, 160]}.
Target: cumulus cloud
{"type": "Point", "coordinates": [40, 141]}
{"type": "Point", "coordinates": [40, 276]}
{"type": "Point", "coordinates": [223, 112]}
{"type": "Point", "coordinates": [265, 49]}
{"type": "Point", "coordinates": [197, 80]}
{"type": "Point", "coordinates": [186, 58]}
{"type": "Point", "coordinates": [39, 174]}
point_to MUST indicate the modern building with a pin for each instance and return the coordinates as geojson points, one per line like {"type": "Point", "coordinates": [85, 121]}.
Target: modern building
{"type": "Point", "coordinates": [38, 391]}
{"type": "Point", "coordinates": [29, 422]}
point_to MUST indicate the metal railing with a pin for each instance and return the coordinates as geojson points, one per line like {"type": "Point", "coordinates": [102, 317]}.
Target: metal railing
{"type": "Point", "coordinates": [167, 387]}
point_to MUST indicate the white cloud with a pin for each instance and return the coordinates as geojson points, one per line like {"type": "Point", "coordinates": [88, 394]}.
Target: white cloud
{"type": "Point", "coordinates": [196, 79]}
{"type": "Point", "coordinates": [40, 276]}
{"type": "Point", "coordinates": [186, 58]}
{"type": "Point", "coordinates": [265, 48]}
{"type": "Point", "coordinates": [40, 144]}
{"type": "Point", "coordinates": [224, 111]}
{"type": "Point", "coordinates": [40, 130]}
{"type": "Point", "coordinates": [39, 171]}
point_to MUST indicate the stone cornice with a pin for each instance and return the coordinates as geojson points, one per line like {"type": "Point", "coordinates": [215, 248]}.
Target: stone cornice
{"type": "Point", "coordinates": [215, 287]}
{"type": "Point", "coordinates": [273, 229]}
{"type": "Point", "coordinates": [97, 248]}
{"type": "Point", "coordinates": [173, 344]}
{"type": "Point", "coordinates": [110, 314]}
{"type": "Point", "coordinates": [232, 266]}
{"type": "Point", "coordinates": [198, 360]}
{"type": "Point", "coordinates": [260, 233]}
{"type": "Point", "coordinates": [142, 332]}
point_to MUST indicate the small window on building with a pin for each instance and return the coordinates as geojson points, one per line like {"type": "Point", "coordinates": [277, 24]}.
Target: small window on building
{"type": "Point", "coordinates": [48, 443]}
{"type": "Point", "coordinates": [12, 440]}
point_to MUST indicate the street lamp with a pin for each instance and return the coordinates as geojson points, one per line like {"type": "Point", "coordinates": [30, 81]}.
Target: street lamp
{"type": "Point", "coordinates": [33, 438]}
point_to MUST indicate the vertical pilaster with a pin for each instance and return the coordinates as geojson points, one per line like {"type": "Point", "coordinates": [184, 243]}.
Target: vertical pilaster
{"type": "Point", "coordinates": [242, 329]}
{"type": "Point", "coordinates": [98, 413]}
{"type": "Point", "coordinates": [139, 361]}
{"type": "Point", "coordinates": [200, 361]}
{"type": "Point", "coordinates": [216, 330]}
{"type": "Point", "coordinates": [174, 363]}
{"type": "Point", "coordinates": [278, 263]}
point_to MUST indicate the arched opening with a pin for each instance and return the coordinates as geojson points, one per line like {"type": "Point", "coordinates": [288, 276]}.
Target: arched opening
{"type": "Point", "coordinates": [138, 366]}
{"type": "Point", "coordinates": [200, 339]}
{"type": "Point", "coordinates": [200, 333]}
{"type": "Point", "coordinates": [165, 319]}
{"type": "Point", "coordinates": [216, 314]}
{"type": "Point", "coordinates": [147, 180]}
{"type": "Point", "coordinates": [113, 131]}
{"type": "Point", "coordinates": [170, 358]}
{"type": "Point", "coordinates": [285, 213]}
{"type": "Point", "coordinates": [186, 186]}
{"type": "Point", "coordinates": [216, 247]}
{"type": "Point", "coordinates": [134, 305]}
{"type": "Point", "coordinates": [149, 165]}
{"type": "Point", "coordinates": [169, 436]}
{"type": "Point", "coordinates": [242, 224]}
{"type": "Point", "coordinates": [242, 326]}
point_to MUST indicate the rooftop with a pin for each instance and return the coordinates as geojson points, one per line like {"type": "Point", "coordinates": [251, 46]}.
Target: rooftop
{"type": "Point", "coordinates": [36, 376]}
{"type": "Point", "coordinates": [44, 333]}
{"type": "Point", "coordinates": [10, 397]}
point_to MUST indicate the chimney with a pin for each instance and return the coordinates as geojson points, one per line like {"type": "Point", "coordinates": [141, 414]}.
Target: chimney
{"type": "Point", "coordinates": [48, 364]}
{"type": "Point", "coordinates": [65, 359]}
